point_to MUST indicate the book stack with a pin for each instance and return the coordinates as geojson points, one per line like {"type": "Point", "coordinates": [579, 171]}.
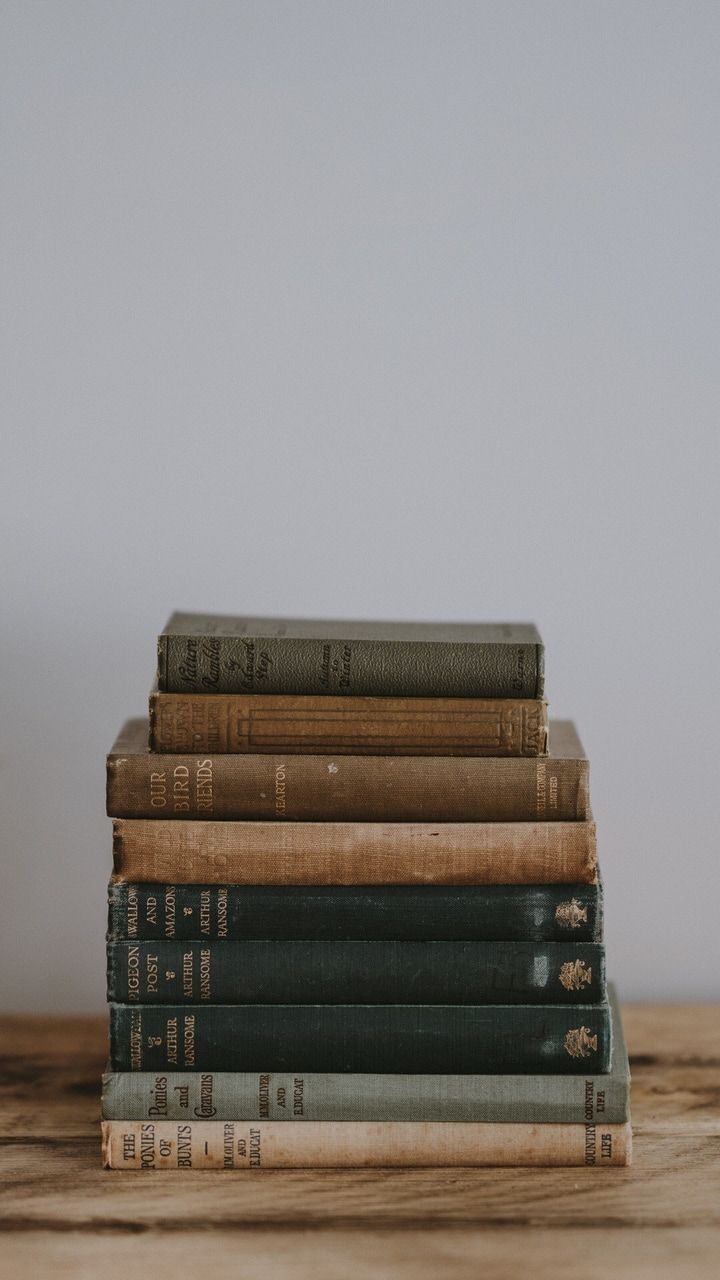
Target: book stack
{"type": "Point", "coordinates": [355, 917]}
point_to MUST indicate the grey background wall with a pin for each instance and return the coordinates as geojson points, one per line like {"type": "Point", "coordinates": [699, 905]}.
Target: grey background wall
{"type": "Point", "coordinates": [372, 309]}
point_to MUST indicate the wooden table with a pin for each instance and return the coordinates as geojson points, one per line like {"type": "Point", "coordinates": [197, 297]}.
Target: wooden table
{"type": "Point", "coordinates": [62, 1215]}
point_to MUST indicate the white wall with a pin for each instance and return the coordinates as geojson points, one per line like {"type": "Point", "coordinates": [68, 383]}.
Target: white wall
{"type": "Point", "coordinates": [403, 309]}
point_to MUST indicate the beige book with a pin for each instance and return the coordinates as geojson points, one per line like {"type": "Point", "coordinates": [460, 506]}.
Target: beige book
{"type": "Point", "coordinates": [274, 1144]}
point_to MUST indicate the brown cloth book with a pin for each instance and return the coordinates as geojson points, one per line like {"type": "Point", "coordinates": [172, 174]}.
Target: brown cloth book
{"type": "Point", "coordinates": [351, 788]}
{"type": "Point", "coordinates": [170, 852]}
{"type": "Point", "coordinates": [347, 725]}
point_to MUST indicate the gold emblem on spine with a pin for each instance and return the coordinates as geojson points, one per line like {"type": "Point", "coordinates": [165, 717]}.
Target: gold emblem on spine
{"type": "Point", "coordinates": [580, 1042]}
{"type": "Point", "coordinates": [575, 975]}
{"type": "Point", "coordinates": [570, 915]}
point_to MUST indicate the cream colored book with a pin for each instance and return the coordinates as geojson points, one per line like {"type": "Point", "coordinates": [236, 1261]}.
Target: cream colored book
{"type": "Point", "coordinates": [274, 1144]}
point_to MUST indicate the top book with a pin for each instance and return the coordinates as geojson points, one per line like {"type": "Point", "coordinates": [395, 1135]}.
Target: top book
{"type": "Point", "coordinates": [209, 653]}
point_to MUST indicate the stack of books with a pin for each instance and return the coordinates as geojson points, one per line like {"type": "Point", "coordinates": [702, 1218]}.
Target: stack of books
{"type": "Point", "coordinates": [355, 917]}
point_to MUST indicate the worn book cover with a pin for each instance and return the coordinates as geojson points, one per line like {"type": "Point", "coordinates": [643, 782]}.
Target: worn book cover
{"type": "Point", "coordinates": [209, 912]}
{"type": "Point", "coordinates": [350, 788]}
{"type": "Point", "coordinates": [270, 1144]}
{"type": "Point", "coordinates": [406, 1038]}
{"type": "Point", "coordinates": [167, 851]}
{"type": "Point", "coordinates": [265, 971]}
{"type": "Point", "coordinates": [322, 725]}
{"type": "Point", "coordinates": [202, 653]}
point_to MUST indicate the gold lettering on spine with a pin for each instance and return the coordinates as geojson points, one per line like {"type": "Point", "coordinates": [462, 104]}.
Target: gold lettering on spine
{"type": "Point", "coordinates": [133, 973]}
{"type": "Point", "coordinates": [170, 911]}
{"type": "Point", "coordinates": [540, 788]}
{"type": "Point", "coordinates": [280, 785]}
{"type": "Point", "coordinates": [222, 912]}
{"type": "Point", "coordinates": [204, 786]}
{"type": "Point", "coordinates": [205, 974]}
{"type": "Point", "coordinates": [151, 974]}
{"type": "Point", "coordinates": [187, 973]}
{"type": "Point", "coordinates": [136, 1040]}
{"type": "Point", "coordinates": [172, 1041]}
{"type": "Point", "coordinates": [132, 911]}
{"type": "Point", "coordinates": [205, 912]}
{"type": "Point", "coordinates": [158, 797]}
{"type": "Point", "coordinates": [553, 791]}
{"type": "Point", "coordinates": [181, 789]}
{"type": "Point", "coordinates": [189, 1039]}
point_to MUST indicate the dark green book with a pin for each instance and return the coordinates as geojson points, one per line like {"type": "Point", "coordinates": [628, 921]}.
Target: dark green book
{"type": "Point", "coordinates": [273, 972]}
{"type": "Point", "coordinates": [404, 1038]}
{"type": "Point", "coordinates": [506, 912]}
{"type": "Point", "coordinates": [199, 653]}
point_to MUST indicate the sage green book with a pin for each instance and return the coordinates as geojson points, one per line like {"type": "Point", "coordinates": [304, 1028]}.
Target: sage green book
{"type": "Point", "coordinates": [209, 653]}
{"type": "Point", "coordinates": [296, 1095]}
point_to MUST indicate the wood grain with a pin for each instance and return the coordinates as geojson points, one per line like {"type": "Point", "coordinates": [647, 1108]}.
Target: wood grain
{"type": "Point", "coordinates": [463, 1253]}
{"type": "Point", "coordinates": [61, 1212]}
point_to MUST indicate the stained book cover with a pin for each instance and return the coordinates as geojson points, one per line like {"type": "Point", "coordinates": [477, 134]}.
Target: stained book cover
{"type": "Point", "coordinates": [269, 1144]}
{"type": "Point", "coordinates": [361, 1037]}
{"type": "Point", "coordinates": [350, 788]}
{"type": "Point", "coordinates": [336, 853]}
{"type": "Point", "coordinates": [524, 913]}
{"type": "Point", "coordinates": [380, 972]}
{"type": "Point", "coordinates": [220, 723]}
{"type": "Point", "coordinates": [301, 1096]}
{"type": "Point", "coordinates": [199, 653]}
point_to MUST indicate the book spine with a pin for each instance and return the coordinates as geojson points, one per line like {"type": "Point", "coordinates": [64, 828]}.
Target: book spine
{"type": "Point", "coordinates": [228, 723]}
{"type": "Point", "coordinates": [336, 853]}
{"type": "Point", "coordinates": [346, 667]}
{"type": "Point", "coordinates": [354, 789]}
{"type": "Point", "coordinates": [270, 1144]}
{"type": "Point", "coordinates": [526, 1039]}
{"type": "Point", "coordinates": [269, 972]}
{"type": "Point", "coordinates": [288, 1096]}
{"type": "Point", "coordinates": [536, 913]}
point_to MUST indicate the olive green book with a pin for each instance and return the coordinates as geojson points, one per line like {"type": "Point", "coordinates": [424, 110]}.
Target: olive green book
{"type": "Point", "coordinates": [209, 653]}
